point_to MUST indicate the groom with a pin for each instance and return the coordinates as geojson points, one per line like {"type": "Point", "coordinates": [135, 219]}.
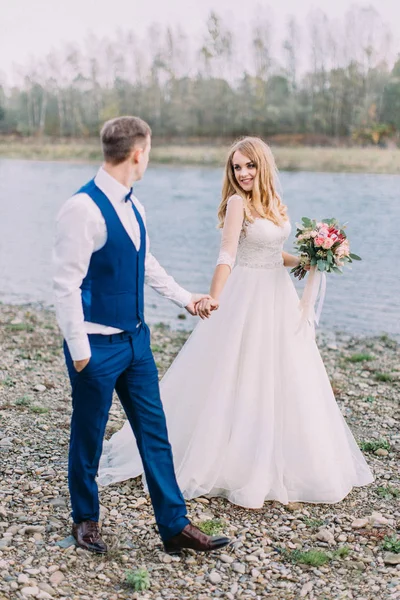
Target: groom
{"type": "Point", "coordinates": [102, 260]}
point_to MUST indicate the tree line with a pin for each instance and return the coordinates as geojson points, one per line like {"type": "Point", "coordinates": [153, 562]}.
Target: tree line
{"type": "Point", "coordinates": [225, 84]}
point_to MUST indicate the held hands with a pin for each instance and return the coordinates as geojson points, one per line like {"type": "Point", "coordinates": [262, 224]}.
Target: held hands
{"type": "Point", "coordinates": [202, 305]}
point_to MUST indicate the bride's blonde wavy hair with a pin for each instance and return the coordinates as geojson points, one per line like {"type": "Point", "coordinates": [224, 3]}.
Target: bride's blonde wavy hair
{"type": "Point", "coordinates": [264, 196]}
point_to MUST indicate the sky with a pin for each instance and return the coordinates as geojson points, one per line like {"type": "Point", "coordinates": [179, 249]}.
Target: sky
{"type": "Point", "coordinates": [32, 28]}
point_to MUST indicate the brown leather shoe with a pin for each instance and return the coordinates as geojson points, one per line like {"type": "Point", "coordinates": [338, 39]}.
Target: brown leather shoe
{"type": "Point", "coordinates": [191, 537]}
{"type": "Point", "coordinates": [88, 536]}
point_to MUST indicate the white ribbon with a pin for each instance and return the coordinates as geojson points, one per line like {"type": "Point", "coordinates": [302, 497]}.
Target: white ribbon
{"type": "Point", "coordinates": [315, 288]}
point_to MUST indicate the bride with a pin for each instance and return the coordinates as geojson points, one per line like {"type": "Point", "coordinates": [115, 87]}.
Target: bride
{"type": "Point", "coordinates": [249, 406]}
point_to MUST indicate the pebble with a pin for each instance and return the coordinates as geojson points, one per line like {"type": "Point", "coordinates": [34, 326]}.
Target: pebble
{"type": "Point", "coordinates": [215, 578]}
{"type": "Point", "coordinates": [226, 558]}
{"type": "Point", "coordinates": [359, 523]}
{"type": "Point", "coordinates": [47, 589]}
{"type": "Point", "coordinates": [239, 568]}
{"type": "Point", "coordinates": [381, 452]}
{"type": "Point", "coordinates": [390, 558]}
{"type": "Point", "coordinates": [324, 535]}
{"type": "Point", "coordinates": [30, 592]}
{"type": "Point", "coordinates": [377, 520]}
{"type": "Point", "coordinates": [40, 388]}
{"type": "Point", "coordinates": [56, 578]}
{"type": "Point", "coordinates": [306, 589]}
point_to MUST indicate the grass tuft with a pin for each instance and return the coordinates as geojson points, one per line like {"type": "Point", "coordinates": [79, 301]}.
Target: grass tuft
{"type": "Point", "coordinates": [374, 445]}
{"type": "Point", "coordinates": [8, 382]}
{"type": "Point", "coordinates": [314, 557]}
{"type": "Point", "coordinates": [39, 410]}
{"type": "Point", "coordinates": [385, 377]}
{"type": "Point", "coordinates": [20, 327]}
{"type": "Point", "coordinates": [391, 544]}
{"type": "Point", "coordinates": [138, 580]}
{"type": "Point", "coordinates": [360, 357]}
{"type": "Point", "coordinates": [211, 526]}
{"type": "Point", "coordinates": [23, 401]}
{"type": "Point", "coordinates": [388, 492]}
{"type": "Point", "coordinates": [313, 523]}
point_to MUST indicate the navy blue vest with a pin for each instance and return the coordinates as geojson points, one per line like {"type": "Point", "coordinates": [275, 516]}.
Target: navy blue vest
{"type": "Point", "coordinates": [113, 289]}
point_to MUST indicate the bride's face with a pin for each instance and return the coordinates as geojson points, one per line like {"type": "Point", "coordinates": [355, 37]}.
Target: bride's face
{"type": "Point", "coordinates": [245, 171]}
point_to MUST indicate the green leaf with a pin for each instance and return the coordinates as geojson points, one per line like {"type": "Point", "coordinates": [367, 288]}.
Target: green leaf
{"type": "Point", "coordinates": [355, 256]}
{"type": "Point", "coordinates": [313, 261]}
{"type": "Point", "coordinates": [321, 265]}
{"type": "Point", "coordinates": [337, 270]}
{"type": "Point", "coordinates": [329, 257]}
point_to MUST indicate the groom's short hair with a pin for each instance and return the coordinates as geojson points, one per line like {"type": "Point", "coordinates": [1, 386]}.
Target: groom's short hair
{"type": "Point", "coordinates": [120, 135]}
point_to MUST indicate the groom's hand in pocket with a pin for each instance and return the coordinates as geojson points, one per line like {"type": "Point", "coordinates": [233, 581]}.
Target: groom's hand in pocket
{"type": "Point", "coordinates": [79, 365]}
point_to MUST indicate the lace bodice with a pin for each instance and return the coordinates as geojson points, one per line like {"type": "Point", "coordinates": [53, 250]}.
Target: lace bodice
{"type": "Point", "coordinates": [256, 245]}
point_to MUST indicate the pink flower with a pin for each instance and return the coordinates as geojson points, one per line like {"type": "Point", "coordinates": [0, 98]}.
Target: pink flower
{"type": "Point", "coordinates": [318, 241]}
{"type": "Point", "coordinates": [323, 230]}
{"type": "Point", "coordinates": [328, 243]}
{"type": "Point", "coordinates": [343, 249]}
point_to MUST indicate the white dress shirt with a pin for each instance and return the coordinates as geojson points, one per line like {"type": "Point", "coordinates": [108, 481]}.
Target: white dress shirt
{"type": "Point", "coordinates": [80, 231]}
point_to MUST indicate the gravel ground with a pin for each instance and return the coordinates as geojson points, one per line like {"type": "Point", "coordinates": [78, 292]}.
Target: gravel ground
{"type": "Point", "coordinates": [355, 545]}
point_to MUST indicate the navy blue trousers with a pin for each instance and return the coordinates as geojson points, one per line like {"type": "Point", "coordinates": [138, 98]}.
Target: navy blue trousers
{"type": "Point", "coordinates": [123, 362]}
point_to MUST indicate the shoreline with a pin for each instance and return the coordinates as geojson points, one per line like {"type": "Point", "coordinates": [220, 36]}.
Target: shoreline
{"type": "Point", "coordinates": [36, 551]}
{"type": "Point", "coordinates": [305, 158]}
{"type": "Point", "coordinates": [181, 324]}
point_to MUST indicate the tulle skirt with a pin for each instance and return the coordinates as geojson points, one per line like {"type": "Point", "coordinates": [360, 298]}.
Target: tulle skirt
{"type": "Point", "coordinates": [250, 410]}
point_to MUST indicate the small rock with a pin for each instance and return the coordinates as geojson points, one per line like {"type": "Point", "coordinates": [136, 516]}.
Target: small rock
{"type": "Point", "coordinates": [45, 587]}
{"type": "Point", "coordinates": [324, 535]}
{"type": "Point", "coordinates": [390, 558]}
{"type": "Point", "coordinates": [30, 592]}
{"type": "Point", "coordinates": [58, 502]}
{"type": "Point", "coordinates": [43, 596]}
{"type": "Point", "coordinates": [381, 452]}
{"type": "Point", "coordinates": [67, 542]}
{"type": "Point", "coordinates": [5, 542]}
{"type": "Point", "coordinates": [359, 523]}
{"type": "Point", "coordinates": [293, 506]}
{"type": "Point", "coordinates": [377, 520]}
{"type": "Point", "coordinates": [239, 568]}
{"type": "Point", "coordinates": [215, 577]}
{"type": "Point", "coordinates": [140, 502]}
{"type": "Point", "coordinates": [6, 442]}
{"type": "Point", "coordinates": [226, 558]}
{"type": "Point", "coordinates": [306, 589]}
{"type": "Point", "coordinates": [34, 529]}
{"type": "Point", "coordinates": [40, 388]}
{"type": "Point", "coordinates": [167, 559]}
{"type": "Point", "coordinates": [56, 578]}
{"type": "Point", "coordinates": [22, 578]}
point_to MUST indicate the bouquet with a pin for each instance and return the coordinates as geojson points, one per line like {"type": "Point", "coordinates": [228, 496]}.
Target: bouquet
{"type": "Point", "coordinates": [323, 245]}
{"type": "Point", "coordinates": [324, 248]}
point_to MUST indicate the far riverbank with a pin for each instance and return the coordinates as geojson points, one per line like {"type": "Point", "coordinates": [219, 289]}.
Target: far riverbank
{"type": "Point", "coordinates": [302, 158]}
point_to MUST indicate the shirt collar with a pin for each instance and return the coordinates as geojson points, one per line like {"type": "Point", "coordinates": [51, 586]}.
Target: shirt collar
{"type": "Point", "coordinates": [113, 189]}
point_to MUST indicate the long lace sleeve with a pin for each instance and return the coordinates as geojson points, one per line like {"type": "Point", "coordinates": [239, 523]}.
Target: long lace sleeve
{"type": "Point", "coordinates": [231, 231]}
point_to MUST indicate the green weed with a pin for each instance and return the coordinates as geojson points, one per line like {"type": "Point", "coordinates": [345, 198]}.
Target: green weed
{"type": "Point", "coordinates": [138, 580]}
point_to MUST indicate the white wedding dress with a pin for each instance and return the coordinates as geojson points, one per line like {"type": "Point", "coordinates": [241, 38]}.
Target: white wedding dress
{"type": "Point", "coordinates": [250, 410]}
